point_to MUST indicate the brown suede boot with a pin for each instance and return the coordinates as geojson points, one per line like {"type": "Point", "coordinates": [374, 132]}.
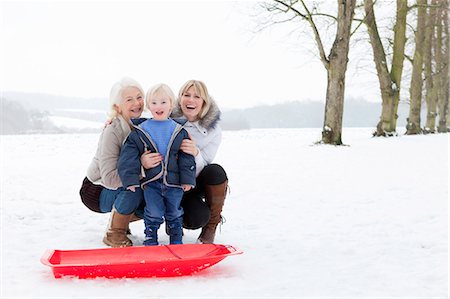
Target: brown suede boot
{"type": "Point", "coordinates": [116, 234]}
{"type": "Point", "coordinates": [215, 198]}
{"type": "Point", "coordinates": [133, 218]}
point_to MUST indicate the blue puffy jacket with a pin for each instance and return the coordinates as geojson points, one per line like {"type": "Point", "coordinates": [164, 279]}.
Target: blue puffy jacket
{"type": "Point", "coordinates": [178, 167]}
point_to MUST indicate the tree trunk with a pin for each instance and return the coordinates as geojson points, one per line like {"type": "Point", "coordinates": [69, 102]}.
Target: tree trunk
{"type": "Point", "coordinates": [430, 86]}
{"type": "Point", "coordinates": [441, 47]}
{"type": "Point", "coordinates": [413, 124]}
{"type": "Point", "coordinates": [389, 81]}
{"type": "Point", "coordinates": [446, 69]}
{"type": "Point", "coordinates": [337, 67]}
{"type": "Point", "coordinates": [397, 59]}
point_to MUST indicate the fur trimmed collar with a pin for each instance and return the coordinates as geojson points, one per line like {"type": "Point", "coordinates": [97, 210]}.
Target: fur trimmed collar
{"type": "Point", "coordinates": [209, 121]}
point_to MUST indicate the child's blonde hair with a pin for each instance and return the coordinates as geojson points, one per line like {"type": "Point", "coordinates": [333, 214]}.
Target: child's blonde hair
{"type": "Point", "coordinates": [115, 96]}
{"type": "Point", "coordinates": [164, 88]}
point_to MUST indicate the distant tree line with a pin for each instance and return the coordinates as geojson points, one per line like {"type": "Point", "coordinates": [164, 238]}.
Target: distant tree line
{"type": "Point", "coordinates": [305, 114]}
{"type": "Point", "coordinates": [430, 58]}
{"type": "Point", "coordinates": [15, 119]}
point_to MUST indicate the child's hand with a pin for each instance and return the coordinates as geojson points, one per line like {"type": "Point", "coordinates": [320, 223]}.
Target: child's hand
{"type": "Point", "coordinates": [132, 188]}
{"type": "Point", "coordinates": [186, 187]}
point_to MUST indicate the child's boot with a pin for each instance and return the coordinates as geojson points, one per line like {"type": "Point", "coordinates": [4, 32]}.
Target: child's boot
{"type": "Point", "coordinates": [175, 232]}
{"type": "Point", "coordinates": [151, 236]}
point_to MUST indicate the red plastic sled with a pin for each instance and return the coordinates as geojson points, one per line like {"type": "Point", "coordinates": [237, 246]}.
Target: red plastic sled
{"type": "Point", "coordinates": [137, 261]}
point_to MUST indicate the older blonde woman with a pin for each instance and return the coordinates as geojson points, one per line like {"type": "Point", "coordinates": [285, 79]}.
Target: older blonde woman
{"type": "Point", "coordinates": [102, 189]}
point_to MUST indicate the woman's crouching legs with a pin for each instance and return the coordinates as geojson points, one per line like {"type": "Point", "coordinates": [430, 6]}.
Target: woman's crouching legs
{"type": "Point", "coordinates": [196, 211]}
{"type": "Point", "coordinates": [125, 204]}
{"type": "Point", "coordinates": [214, 182]}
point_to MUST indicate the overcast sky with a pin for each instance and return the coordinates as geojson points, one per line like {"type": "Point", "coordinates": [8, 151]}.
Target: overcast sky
{"type": "Point", "coordinates": [80, 48]}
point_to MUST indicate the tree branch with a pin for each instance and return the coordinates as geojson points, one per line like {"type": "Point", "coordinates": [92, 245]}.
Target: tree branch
{"type": "Point", "coordinates": [307, 17]}
{"type": "Point", "coordinates": [324, 15]}
{"type": "Point", "coordinates": [361, 21]}
{"type": "Point", "coordinates": [322, 54]}
{"type": "Point", "coordinates": [409, 58]}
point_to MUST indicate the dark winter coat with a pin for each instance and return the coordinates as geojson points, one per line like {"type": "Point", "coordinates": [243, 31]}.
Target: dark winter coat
{"type": "Point", "coordinates": [178, 167]}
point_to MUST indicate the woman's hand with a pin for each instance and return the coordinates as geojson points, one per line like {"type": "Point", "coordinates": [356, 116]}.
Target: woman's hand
{"type": "Point", "coordinates": [188, 146]}
{"type": "Point", "coordinates": [150, 160]}
{"type": "Point", "coordinates": [107, 123]}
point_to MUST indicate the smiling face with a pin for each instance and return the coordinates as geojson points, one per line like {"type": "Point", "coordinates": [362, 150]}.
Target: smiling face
{"type": "Point", "coordinates": [159, 105]}
{"type": "Point", "coordinates": [131, 104]}
{"type": "Point", "coordinates": [191, 104]}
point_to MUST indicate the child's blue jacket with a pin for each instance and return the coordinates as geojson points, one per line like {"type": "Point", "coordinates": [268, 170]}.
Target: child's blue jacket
{"type": "Point", "coordinates": [178, 167]}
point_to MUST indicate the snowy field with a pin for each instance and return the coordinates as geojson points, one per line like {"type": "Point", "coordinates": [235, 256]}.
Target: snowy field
{"type": "Point", "coordinates": [368, 220]}
{"type": "Point", "coordinates": [67, 123]}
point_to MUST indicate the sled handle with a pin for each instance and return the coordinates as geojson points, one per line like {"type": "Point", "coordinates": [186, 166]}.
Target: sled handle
{"type": "Point", "coordinates": [233, 250]}
{"type": "Point", "coordinates": [45, 258]}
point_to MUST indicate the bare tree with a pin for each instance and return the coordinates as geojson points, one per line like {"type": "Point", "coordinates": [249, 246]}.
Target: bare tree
{"type": "Point", "coordinates": [389, 80]}
{"type": "Point", "coordinates": [335, 62]}
{"type": "Point", "coordinates": [413, 123]}
{"type": "Point", "coordinates": [429, 73]}
{"type": "Point", "coordinates": [441, 48]}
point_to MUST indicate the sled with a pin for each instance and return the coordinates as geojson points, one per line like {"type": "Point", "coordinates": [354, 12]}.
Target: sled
{"type": "Point", "coordinates": [136, 261]}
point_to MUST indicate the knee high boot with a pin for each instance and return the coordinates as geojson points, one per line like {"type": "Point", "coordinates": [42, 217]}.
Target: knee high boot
{"type": "Point", "coordinates": [215, 198]}
{"type": "Point", "coordinates": [116, 234]}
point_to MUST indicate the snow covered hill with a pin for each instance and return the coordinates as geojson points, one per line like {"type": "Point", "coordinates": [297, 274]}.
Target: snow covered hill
{"type": "Point", "coordinates": [365, 220]}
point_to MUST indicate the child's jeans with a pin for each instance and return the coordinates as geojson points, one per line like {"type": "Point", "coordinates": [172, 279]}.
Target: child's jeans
{"type": "Point", "coordinates": [125, 201]}
{"type": "Point", "coordinates": [162, 201]}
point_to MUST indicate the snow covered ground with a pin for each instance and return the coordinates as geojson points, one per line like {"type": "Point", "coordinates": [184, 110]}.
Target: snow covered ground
{"type": "Point", "coordinates": [68, 123]}
{"type": "Point", "coordinates": [366, 220]}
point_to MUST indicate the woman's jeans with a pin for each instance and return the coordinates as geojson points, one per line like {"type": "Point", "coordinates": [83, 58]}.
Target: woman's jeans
{"type": "Point", "coordinates": [124, 201]}
{"type": "Point", "coordinates": [162, 201]}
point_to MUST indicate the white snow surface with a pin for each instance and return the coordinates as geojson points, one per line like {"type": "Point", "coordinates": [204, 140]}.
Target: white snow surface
{"type": "Point", "coordinates": [314, 221]}
{"type": "Point", "coordinates": [68, 123]}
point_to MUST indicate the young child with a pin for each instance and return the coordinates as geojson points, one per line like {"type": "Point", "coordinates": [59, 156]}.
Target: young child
{"type": "Point", "coordinates": [163, 184]}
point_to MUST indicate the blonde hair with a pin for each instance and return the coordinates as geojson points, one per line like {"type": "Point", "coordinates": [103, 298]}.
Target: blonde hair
{"type": "Point", "coordinates": [164, 88]}
{"type": "Point", "coordinates": [115, 96]}
{"type": "Point", "coordinates": [201, 89]}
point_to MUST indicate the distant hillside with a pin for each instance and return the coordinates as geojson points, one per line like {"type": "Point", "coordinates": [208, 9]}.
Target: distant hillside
{"type": "Point", "coordinates": [91, 109]}
{"type": "Point", "coordinates": [51, 102]}
{"type": "Point", "coordinates": [15, 119]}
{"type": "Point", "coordinates": [26, 113]}
{"type": "Point", "coordinates": [42, 110]}
{"type": "Point", "coordinates": [306, 114]}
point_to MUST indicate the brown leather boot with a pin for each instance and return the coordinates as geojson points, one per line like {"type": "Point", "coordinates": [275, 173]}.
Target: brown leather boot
{"type": "Point", "coordinates": [215, 198]}
{"type": "Point", "coordinates": [116, 234]}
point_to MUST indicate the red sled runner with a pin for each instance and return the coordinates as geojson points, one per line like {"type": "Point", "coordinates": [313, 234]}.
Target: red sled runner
{"type": "Point", "coordinates": [137, 261]}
